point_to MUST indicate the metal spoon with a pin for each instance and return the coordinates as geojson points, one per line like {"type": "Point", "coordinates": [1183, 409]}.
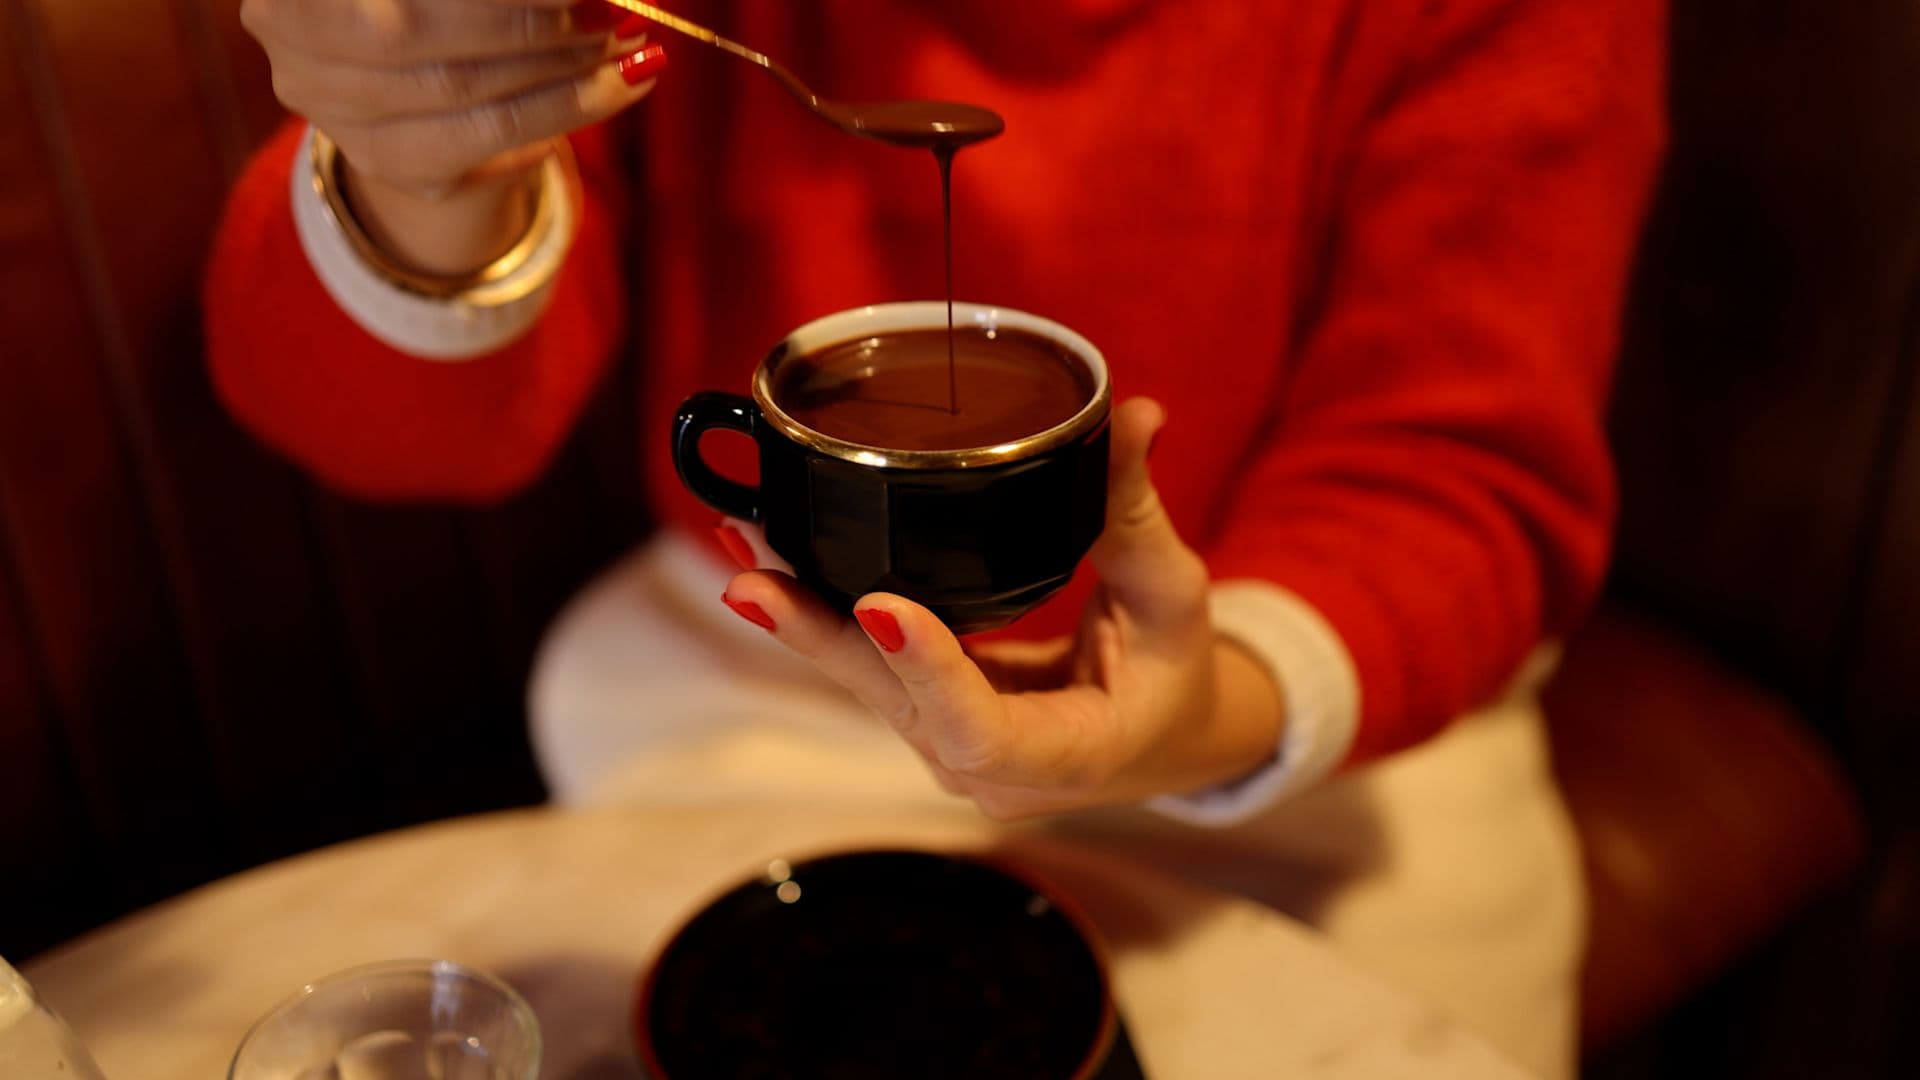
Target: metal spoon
{"type": "Point", "coordinates": [941, 126]}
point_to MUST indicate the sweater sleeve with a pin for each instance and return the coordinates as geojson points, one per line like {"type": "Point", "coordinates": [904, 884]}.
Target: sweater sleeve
{"type": "Point", "coordinates": [370, 420]}
{"type": "Point", "coordinates": [1438, 486]}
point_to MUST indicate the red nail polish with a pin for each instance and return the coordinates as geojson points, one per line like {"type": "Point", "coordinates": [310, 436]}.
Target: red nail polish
{"type": "Point", "coordinates": [749, 611]}
{"type": "Point", "coordinates": [631, 27]}
{"type": "Point", "coordinates": [1153, 441]}
{"type": "Point", "coordinates": [883, 628]}
{"type": "Point", "coordinates": [736, 546]}
{"type": "Point", "coordinates": [596, 16]}
{"type": "Point", "coordinates": [643, 65]}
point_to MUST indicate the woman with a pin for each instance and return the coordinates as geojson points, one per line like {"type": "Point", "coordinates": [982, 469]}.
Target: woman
{"type": "Point", "coordinates": [1364, 257]}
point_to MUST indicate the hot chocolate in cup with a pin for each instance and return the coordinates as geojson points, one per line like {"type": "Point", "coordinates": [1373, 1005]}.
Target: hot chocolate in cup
{"type": "Point", "coordinates": [974, 493]}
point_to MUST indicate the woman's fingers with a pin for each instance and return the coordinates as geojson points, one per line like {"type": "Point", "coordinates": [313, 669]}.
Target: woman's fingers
{"type": "Point", "coordinates": [423, 94]}
{"type": "Point", "coordinates": [839, 648]}
{"type": "Point", "coordinates": [963, 723]}
{"type": "Point", "coordinates": [833, 643]}
{"type": "Point", "coordinates": [429, 151]}
{"type": "Point", "coordinates": [404, 32]}
{"type": "Point", "coordinates": [342, 93]}
{"type": "Point", "coordinates": [1015, 667]}
{"type": "Point", "coordinates": [746, 544]}
{"type": "Point", "coordinates": [1143, 564]}
{"type": "Point", "coordinates": [955, 707]}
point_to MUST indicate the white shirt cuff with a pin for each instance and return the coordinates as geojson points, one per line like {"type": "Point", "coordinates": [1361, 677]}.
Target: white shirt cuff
{"type": "Point", "coordinates": [453, 329]}
{"type": "Point", "coordinates": [1320, 689]}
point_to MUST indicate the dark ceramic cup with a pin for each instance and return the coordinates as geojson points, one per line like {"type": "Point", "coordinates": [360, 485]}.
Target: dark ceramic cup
{"type": "Point", "coordinates": [979, 535]}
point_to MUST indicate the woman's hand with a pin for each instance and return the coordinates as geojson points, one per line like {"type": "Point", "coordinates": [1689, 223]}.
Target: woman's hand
{"type": "Point", "coordinates": [443, 109]}
{"type": "Point", "coordinates": [1144, 700]}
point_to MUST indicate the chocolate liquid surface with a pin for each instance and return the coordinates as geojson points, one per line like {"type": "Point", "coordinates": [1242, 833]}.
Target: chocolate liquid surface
{"type": "Point", "coordinates": [892, 390]}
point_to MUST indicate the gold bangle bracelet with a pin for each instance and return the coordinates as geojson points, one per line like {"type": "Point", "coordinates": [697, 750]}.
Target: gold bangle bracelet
{"type": "Point", "coordinates": [491, 284]}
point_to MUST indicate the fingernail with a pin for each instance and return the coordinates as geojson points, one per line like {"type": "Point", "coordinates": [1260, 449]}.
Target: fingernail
{"type": "Point", "coordinates": [736, 546]}
{"type": "Point", "coordinates": [749, 611]}
{"type": "Point", "coordinates": [883, 628]}
{"type": "Point", "coordinates": [643, 65]}
{"type": "Point", "coordinates": [596, 16]}
{"type": "Point", "coordinates": [1153, 441]}
{"type": "Point", "coordinates": [632, 26]}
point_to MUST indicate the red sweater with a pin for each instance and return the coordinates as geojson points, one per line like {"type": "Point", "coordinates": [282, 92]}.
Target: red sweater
{"type": "Point", "coordinates": [1369, 254]}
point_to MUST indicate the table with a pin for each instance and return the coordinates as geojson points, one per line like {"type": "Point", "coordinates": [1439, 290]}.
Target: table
{"type": "Point", "coordinates": [569, 906]}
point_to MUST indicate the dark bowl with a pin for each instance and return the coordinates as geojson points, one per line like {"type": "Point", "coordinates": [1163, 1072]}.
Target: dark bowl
{"type": "Point", "coordinates": [880, 964]}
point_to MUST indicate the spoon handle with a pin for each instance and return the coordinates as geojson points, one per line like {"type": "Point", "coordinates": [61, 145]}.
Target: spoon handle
{"type": "Point", "coordinates": [693, 30]}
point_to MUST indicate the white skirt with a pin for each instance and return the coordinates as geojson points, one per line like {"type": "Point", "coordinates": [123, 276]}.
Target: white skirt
{"type": "Point", "coordinates": [1450, 869]}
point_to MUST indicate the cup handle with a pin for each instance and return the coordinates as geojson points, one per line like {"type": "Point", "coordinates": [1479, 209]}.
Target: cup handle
{"type": "Point", "coordinates": [699, 414]}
